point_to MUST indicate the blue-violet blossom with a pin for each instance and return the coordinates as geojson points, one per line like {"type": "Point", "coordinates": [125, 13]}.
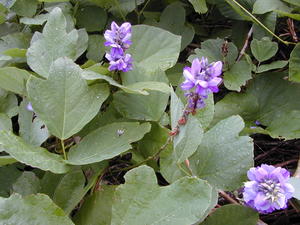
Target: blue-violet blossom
{"type": "Point", "coordinates": [119, 39]}
{"type": "Point", "coordinates": [268, 189]}
{"type": "Point", "coordinates": [201, 79]}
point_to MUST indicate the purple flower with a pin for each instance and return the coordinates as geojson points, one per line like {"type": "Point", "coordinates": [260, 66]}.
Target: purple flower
{"type": "Point", "coordinates": [118, 60]}
{"type": "Point", "coordinates": [118, 36]}
{"type": "Point", "coordinates": [201, 79]}
{"type": "Point", "coordinates": [268, 188]}
{"type": "Point", "coordinates": [29, 107]}
{"type": "Point", "coordinates": [119, 39]}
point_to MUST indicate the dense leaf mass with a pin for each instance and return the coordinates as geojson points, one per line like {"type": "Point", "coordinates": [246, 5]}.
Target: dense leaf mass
{"type": "Point", "coordinates": [139, 112]}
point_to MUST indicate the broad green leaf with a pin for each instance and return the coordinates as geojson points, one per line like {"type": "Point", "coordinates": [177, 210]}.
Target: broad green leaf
{"type": "Point", "coordinates": [138, 107]}
{"type": "Point", "coordinates": [122, 7]}
{"type": "Point", "coordinates": [175, 74]}
{"type": "Point", "coordinates": [30, 155]}
{"type": "Point", "coordinates": [107, 142]}
{"type": "Point", "coordinates": [233, 153]}
{"type": "Point", "coordinates": [293, 2]}
{"type": "Point", "coordinates": [96, 209]}
{"type": "Point", "coordinates": [37, 20]}
{"type": "Point", "coordinates": [263, 49]}
{"type": "Point", "coordinates": [269, 99]}
{"type": "Point", "coordinates": [9, 104]}
{"type": "Point", "coordinates": [176, 25]}
{"type": "Point", "coordinates": [31, 209]}
{"type": "Point", "coordinates": [269, 20]}
{"type": "Point", "coordinates": [138, 88]}
{"type": "Point", "coordinates": [295, 16]}
{"type": "Point", "coordinates": [64, 101]}
{"type": "Point", "coordinates": [190, 135]}
{"type": "Point", "coordinates": [221, 144]}
{"type": "Point", "coordinates": [15, 52]}
{"type": "Point", "coordinates": [49, 183]}
{"type": "Point", "coordinates": [183, 202]}
{"type": "Point", "coordinates": [230, 10]}
{"type": "Point", "coordinates": [199, 6]}
{"type": "Point", "coordinates": [295, 181]}
{"type": "Point", "coordinates": [237, 75]}
{"type": "Point", "coordinates": [5, 122]}
{"type": "Point", "coordinates": [26, 184]}
{"type": "Point", "coordinates": [154, 48]}
{"type": "Point", "coordinates": [6, 160]}
{"type": "Point", "coordinates": [233, 215]}
{"type": "Point", "coordinates": [54, 0]}
{"type": "Point", "coordinates": [13, 79]}
{"type": "Point", "coordinates": [212, 49]}
{"type": "Point", "coordinates": [68, 192]}
{"type": "Point", "coordinates": [272, 66]}
{"type": "Point", "coordinates": [264, 6]}
{"type": "Point", "coordinates": [54, 43]}
{"type": "Point", "coordinates": [25, 7]}
{"type": "Point", "coordinates": [206, 115]}
{"type": "Point", "coordinates": [96, 48]}
{"type": "Point", "coordinates": [32, 129]}
{"type": "Point", "coordinates": [294, 64]}
{"type": "Point", "coordinates": [7, 181]}
{"type": "Point", "coordinates": [92, 18]}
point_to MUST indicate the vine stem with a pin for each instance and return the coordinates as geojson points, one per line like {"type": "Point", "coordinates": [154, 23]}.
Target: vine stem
{"type": "Point", "coordinates": [242, 52]}
{"type": "Point", "coordinates": [258, 22]}
{"type": "Point", "coordinates": [63, 148]}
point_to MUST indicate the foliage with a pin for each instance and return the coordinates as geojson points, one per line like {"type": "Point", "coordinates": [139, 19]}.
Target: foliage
{"type": "Point", "coordinates": [82, 144]}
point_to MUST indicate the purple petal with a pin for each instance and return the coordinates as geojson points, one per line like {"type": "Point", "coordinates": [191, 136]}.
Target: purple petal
{"type": "Point", "coordinates": [196, 67]}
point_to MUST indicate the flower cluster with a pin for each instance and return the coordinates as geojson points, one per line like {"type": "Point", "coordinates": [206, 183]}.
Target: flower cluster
{"type": "Point", "coordinates": [201, 79]}
{"type": "Point", "coordinates": [118, 38]}
{"type": "Point", "coordinates": [268, 188]}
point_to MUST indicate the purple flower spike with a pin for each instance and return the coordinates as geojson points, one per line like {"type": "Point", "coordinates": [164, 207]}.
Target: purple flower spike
{"type": "Point", "coordinates": [268, 189]}
{"type": "Point", "coordinates": [118, 60]}
{"type": "Point", "coordinates": [201, 79]}
{"type": "Point", "coordinates": [119, 39]}
{"type": "Point", "coordinates": [118, 36]}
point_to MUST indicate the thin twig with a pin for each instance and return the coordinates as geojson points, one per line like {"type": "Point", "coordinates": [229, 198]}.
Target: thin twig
{"type": "Point", "coordinates": [286, 163]}
{"type": "Point", "coordinates": [242, 52]}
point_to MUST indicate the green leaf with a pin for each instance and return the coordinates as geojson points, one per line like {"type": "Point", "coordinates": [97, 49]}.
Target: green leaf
{"type": "Point", "coordinates": [122, 7]}
{"type": "Point", "coordinates": [269, 20]}
{"type": "Point", "coordinates": [7, 181]}
{"type": "Point", "coordinates": [263, 49]}
{"type": "Point", "coordinates": [151, 107]}
{"type": "Point", "coordinates": [68, 192]}
{"type": "Point", "coordinates": [206, 115]}
{"type": "Point", "coordinates": [212, 49]}
{"type": "Point", "coordinates": [293, 2]}
{"type": "Point", "coordinates": [264, 6]}
{"type": "Point", "coordinates": [6, 160]}
{"type": "Point", "coordinates": [64, 101]}
{"type": "Point", "coordinates": [32, 129]}
{"type": "Point", "coordinates": [295, 181]}
{"type": "Point", "coordinates": [233, 153]}
{"type": "Point", "coordinates": [37, 20]}
{"type": "Point", "coordinates": [107, 142]}
{"type": "Point", "coordinates": [237, 76]}
{"type": "Point", "coordinates": [9, 104]}
{"type": "Point", "coordinates": [269, 99]}
{"type": "Point", "coordinates": [272, 66]}
{"type": "Point", "coordinates": [24, 153]}
{"type": "Point", "coordinates": [13, 79]}
{"type": "Point", "coordinates": [96, 208]}
{"type": "Point", "coordinates": [25, 7]}
{"type": "Point", "coordinates": [190, 135]}
{"type": "Point", "coordinates": [92, 18]}
{"type": "Point", "coordinates": [54, 43]}
{"type": "Point", "coordinates": [32, 209]}
{"type": "Point", "coordinates": [183, 202]}
{"type": "Point", "coordinates": [5, 122]}
{"type": "Point", "coordinates": [199, 6]}
{"type": "Point", "coordinates": [96, 48]}
{"type": "Point", "coordinates": [233, 215]}
{"type": "Point", "coordinates": [154, 48]}
{"type": "Point", "coordinates": [175, 74]}
{"type": "Point", "coordinates": [26, 184]}
{"type": "Point", "coordinates": [294, 64]}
